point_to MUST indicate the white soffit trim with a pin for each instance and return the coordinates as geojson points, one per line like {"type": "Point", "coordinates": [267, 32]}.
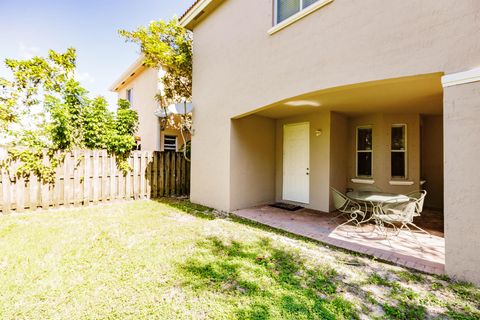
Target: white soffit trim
{"type": "Point", "coordinates": [194, 12]}
{"type": "Point", "coordinates": [128, 73]}
{"type": "Point", "coordinates": [455, 79]}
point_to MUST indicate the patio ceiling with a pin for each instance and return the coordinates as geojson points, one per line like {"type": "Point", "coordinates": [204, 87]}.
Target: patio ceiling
{"type": "Point", "coordinates": [417, 94]}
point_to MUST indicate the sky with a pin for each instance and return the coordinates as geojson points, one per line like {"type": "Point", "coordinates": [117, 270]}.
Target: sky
{"type": "Point", "coordinates": [32, 27]}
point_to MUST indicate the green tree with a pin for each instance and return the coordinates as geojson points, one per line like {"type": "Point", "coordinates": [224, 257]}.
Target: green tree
{"type": "Point", "coordinates": [168, 45]}
{"type": "Point", "coordinates": [45, 112]}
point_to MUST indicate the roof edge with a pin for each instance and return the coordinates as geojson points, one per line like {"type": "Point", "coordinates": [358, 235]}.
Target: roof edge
{"type": "Point", "coordinates": [198, 8]}
{"type": "Point", "coordinates": [130, 72]}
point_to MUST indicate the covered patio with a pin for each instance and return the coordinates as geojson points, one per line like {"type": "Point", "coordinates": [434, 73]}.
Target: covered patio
{"type": "Point", "coordinates": [384, 135]}
{"type": "Point", "coordinates": [417, 251]}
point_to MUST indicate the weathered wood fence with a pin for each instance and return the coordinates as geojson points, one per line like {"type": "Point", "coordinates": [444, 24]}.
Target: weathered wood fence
{"type": "Point", "coordinates": [89, 177]}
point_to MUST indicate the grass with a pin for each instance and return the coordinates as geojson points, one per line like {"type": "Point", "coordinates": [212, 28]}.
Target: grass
{"type": "Point", "coordinates": [175, 260]}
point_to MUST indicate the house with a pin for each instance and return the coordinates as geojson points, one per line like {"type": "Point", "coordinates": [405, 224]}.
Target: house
{"type": "Point", "coordinates": [293, 97]}
{"type": "Point", "coordinates": [139, 85]}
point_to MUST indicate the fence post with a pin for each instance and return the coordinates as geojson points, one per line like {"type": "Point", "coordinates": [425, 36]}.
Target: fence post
{"type": "Point", "coordinates": [154, 175]}
{"type": "Point", "coordinates": [161, 174]}
{"type": "Point", "coordinates": [86, 178]}
{"type": "Point", "coordinates": [6, 192]}
{"type": "Point", "coordinates": [76, 179]}
{"type": "Point", "coordinates": [113, 175]}
{"type": "Point", "coordinates": [143, 173]}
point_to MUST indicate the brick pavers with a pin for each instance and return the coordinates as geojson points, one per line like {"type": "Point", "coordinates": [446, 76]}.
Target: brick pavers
{"type": "Point", "coordinates": [418, 251]}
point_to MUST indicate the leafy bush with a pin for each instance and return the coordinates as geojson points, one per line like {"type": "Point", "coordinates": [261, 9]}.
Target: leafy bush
{"type": "Point", "coordinates": [46, 113]}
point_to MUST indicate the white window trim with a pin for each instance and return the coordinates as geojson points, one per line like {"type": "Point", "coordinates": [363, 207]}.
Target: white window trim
{"type": "Point", "coordinates": [362, 181]}
{"type": "Point", "coordinates": [405, 151]}
{"type": "Point", "coordinates": [356, 152]}
{"type": "Point", "coordinates": [401, 183]}
{"type": "Point", "coordinates": [297, 16]}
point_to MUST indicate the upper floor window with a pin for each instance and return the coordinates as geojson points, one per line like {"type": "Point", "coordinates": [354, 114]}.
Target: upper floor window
{"type": "Point", "coordinates": [284, 9]}
{"type": "Point", "coordinates": [399, 151]}
{"type": "Point", "coordinates": [364, 152]}
{"type": "Point", "coordinates": [130, 96]}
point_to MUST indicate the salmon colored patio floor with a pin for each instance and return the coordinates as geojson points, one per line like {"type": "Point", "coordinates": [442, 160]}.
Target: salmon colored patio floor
{"type": "Point", "coordinates": [418, 251]}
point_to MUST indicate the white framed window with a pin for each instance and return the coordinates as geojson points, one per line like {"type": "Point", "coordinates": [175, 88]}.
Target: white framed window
{"type": "Point", "coordinates": [284, 9]}
{"type": "Point", "coordinates": [169, 143]}
{"type": "Point", "coordinates": [398, 150]}
{"type": "Point", "coordinates": [364, 151]}
{"type": "Point", "coordinates": [130, 96]}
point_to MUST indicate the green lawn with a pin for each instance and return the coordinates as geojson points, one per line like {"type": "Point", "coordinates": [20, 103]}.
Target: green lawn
{"type": "Point", "coordinates": [175, 260]}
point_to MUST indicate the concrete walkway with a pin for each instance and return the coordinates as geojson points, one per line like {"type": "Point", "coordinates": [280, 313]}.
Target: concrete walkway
{"type": "Point", "coordinates": [418, 251]}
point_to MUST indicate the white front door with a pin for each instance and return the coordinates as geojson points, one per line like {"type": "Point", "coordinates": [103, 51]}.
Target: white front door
{"type": "Point", "coordinates": [296, 162]}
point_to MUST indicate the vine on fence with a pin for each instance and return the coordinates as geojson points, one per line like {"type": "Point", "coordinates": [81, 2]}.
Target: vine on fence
{"type": "Point", "coordinates": [45, 113]}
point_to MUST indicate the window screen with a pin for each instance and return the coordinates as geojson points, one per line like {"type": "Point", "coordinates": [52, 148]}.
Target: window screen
{"type": "Point", "coordinates": [130, 96]}
{"type": "Point", "coordinates": [287, 8]}
{"type": "Point", "coordinates": [398, 151]}
{"type": "Point", "coordinates": [364, 152]}
{"type": "Point", "coordinates": [306, 3]}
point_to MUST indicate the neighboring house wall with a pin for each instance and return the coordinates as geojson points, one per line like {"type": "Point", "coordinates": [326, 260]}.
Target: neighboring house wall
{"type": "Point", "coordinates": [144, 84]}
{"type": "Point", "coordinates": [144, 88]}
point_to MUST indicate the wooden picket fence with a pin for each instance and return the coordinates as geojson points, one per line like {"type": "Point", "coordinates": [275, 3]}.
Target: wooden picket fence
{"type": "Point", "coordinates": [90, 177]}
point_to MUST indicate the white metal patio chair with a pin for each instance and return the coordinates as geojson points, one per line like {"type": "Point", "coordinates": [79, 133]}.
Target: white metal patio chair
{"type": "Point", "coordinates": [394, 214]}
{"type": "Point", "coordinates": [348, 207]}
{"type": "Point", "coordinates": [419, 196]}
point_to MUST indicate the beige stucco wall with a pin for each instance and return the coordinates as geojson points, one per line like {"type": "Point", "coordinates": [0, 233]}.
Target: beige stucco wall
{"type": "Point", "coordinates": [239, 67]}
{"type": "Point", "coordinates": [432, 160]}
{"type": "Point", "coordinates": [462, 180]}
{"type": "Point", "coordinates": [252, 162]}
{"type": "Point", "coordinates": [343, 43]}
{"type": "Point", "coordinates": [338, 153]}
{"type": "Point", "coordinates": [319, 158]}
{"type": "Point", "coordinates": [145, 86]}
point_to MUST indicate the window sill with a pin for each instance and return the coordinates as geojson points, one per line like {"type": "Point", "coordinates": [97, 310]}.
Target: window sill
{"type": "Point", "coordinates": [401, 183]}
{"type": "Point", "coordinates": [299, 15]}
{"type": "Point", "coordinates": [363, 181]}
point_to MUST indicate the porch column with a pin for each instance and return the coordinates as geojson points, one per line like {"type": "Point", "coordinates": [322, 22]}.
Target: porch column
{"type": "Point", "coordinates": [462, 174]}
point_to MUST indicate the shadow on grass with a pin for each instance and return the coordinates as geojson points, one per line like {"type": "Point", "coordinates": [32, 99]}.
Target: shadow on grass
{"type": "Point", "coordinates": [296, 291]}
{"type": "Point", "coordinates": [276, 282]}
{"type": "Point", "coordinates": [207, 213]}
{"type": "Point", "coordinates": [186, 206]}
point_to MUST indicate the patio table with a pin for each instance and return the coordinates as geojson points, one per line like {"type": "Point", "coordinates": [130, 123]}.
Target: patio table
{"type": "Point", "coordinates": [374, 197]}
